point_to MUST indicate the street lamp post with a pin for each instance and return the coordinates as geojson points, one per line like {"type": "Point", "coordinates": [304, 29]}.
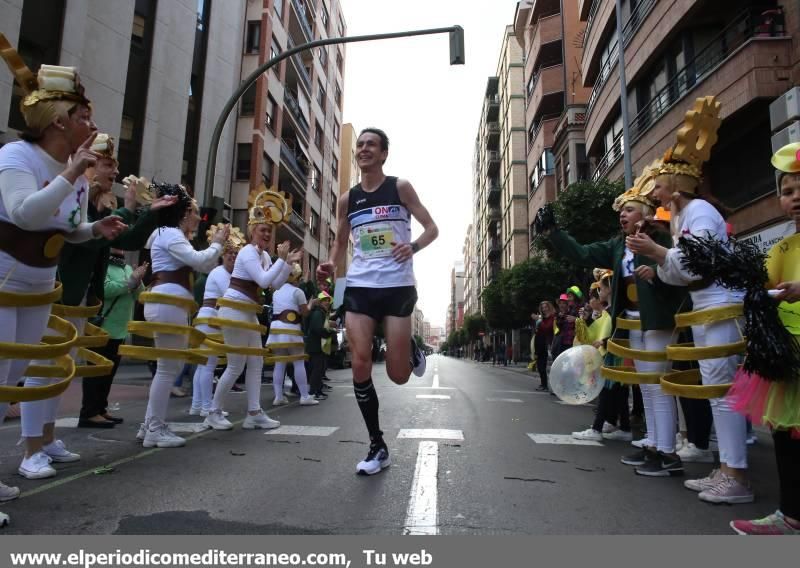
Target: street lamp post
{"type": "Point", "coordinates": [623, 101]}
{"type": "Point", "coordinates": [456, 58]}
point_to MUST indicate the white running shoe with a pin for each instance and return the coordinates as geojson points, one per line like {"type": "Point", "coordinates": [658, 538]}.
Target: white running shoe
{"type": "Point", "coordinates": [36, 467]}
{"type": "Point", "coordinates": [691, 453]}
{"type": "Point", "coordinates": [282, 401]}
{"type": "Point", "coordinates": [216, 420]}
{"type": "Point", "coordinates": [195, 411]}
{"type": "Point", "coordinates": [159, 436]}
{"type": "Point", "coordinates": [377, 460]}
{"type": "Point", "coordinates": [7, 493]}
{"type": "Point", "coordinates": [418, 361]}
{"type": "Point", "coordinates": [704, 483]}
{"type": "Point", "coordinates": [58, 453]}
{"type": "Point", "coordinates": [642, 443]}
{"type": "Point", "coordinates": [608, 428]}
{"type": "Point", "coordinates": [619, 435]}
{"type": "Point", "coordinates": [5, 520]}
{"type": "Point", "coordinates": [588, 434]}
{"type": "Point", "coordinates": [142, 431]}
{"type": "Point", "coordinates": [308, 401]}
{"type": "Point", "coordinates": [260, 420]}
{"type": "Point", "coordinates": [680, 441]}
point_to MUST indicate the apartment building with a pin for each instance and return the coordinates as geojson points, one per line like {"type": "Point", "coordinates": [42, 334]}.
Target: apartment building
{"type": "Point", "coordinates": [471, 291]}
{"type": "Point", "coordinates": [349, 176]}
{"type": "Point", "coordinates": [158, 74]}
{"type": "Point", "coordinates": [746, 54]}
{"type": "Point", "coordinates": [289, 126]}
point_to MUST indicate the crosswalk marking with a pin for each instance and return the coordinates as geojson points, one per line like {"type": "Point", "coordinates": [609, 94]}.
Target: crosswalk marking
{"type": "Point", "coordinates": [431, 433]}
{"type": "Point", "coordinates": [187, 427]}
{"type": "Point", "coordinates": [67, 423]}
{"type": "Point", "coordinates": [563, 439]}
{"type": "Point", "coordinates": [422, 517]}
{"type": "Point", "coordinates": [504, 400]}
{"type": "Point", "coordinates": [435, 396]}
{"type": "Point", "coordinates": [286, 430]}
{"type": "Point", "coordinates": [522, 392]}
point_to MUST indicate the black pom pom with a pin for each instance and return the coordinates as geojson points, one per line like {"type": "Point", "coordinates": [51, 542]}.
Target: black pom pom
{"type": "Point", "coordinates": [545, 219]}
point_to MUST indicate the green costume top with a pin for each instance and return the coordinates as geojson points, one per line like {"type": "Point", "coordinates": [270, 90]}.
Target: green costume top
{"type": "Point", "coordinates": [82, 267]}
{"type": "Point", "coordinates": [120, 300]}
{"type": "Point", "coordinates": [316, 330]}
{"type": "Point", "coordinates": [658, 302]}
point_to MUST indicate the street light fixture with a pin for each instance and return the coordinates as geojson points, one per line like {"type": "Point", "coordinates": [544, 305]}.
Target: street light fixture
{"type": "Point", "coordinates": [456, 58]}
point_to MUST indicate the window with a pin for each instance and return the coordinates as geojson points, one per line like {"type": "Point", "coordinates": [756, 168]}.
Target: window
{"type": "Point", "coordinates": [531, 135]}
{"type": "Point", "coordinates": [278, 6]}
{"type": "Point", "coordinates": [267, 167]}
{"type": "Point", "coordinates": [253, 40]}
{"type": "Point", "coordinates": [339, 61]}
{"type": "Point", "coordinates": [531, 84]}
{"type": "Point", "coordinates": [336, 130]}
{"type": "Point", "coordinates": [248, 105]}
{"type": "Point", "coordinates": [243, 157]}
{"type": "Point", "coordinates": [335, 166]}
{"type": "Point", "coordinates": [269, 118]}
{"type": "Point", "coordinates": [126, 128]}
{"type": "Point", "coordinates": [338, 96]}
{"type": "Point", "coordinates": [341, 27]}
{"type": "Point", "coordinates": [543, 167]}
{"type": "Point", "coordinates": [312, 264]}
{"type": "Point", "coordinates": [333, 204]}
{"type": "Point", "coordinates": [275, 51]}
{"type": "Point", "coordinates": [316, 179]}
{"type": "Point", "coordinates": [318, 135]}
{"type": "Point", "coordinates": [321, 95]}
{"type": "Point", "coordinates": [313, 223]}
{"type": "Point", "coordinates": [324, 17]}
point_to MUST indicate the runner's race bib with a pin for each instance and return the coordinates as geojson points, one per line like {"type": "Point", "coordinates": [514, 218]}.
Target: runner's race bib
{"type": "Point", "coordinates": [376, 240]}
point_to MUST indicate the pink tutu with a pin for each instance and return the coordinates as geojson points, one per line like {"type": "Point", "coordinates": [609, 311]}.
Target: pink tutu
{"type": "Point", "coordinates": [776, 404]}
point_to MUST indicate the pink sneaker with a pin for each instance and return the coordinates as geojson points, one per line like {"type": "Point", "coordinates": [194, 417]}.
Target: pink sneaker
{"type": "Point", "coordinates": [774, 524]}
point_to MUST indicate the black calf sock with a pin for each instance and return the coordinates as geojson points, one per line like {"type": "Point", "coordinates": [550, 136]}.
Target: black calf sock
{"type": "Point", "coordinates": [367, 399]}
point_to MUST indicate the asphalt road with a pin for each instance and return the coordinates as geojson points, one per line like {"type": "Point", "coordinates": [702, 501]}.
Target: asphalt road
{"type": "Point", "coordinates": [463, 463]}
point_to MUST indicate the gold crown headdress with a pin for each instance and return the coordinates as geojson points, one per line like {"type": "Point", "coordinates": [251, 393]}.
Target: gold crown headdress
{"type": "Point", "coordinates": [103, 145]}
{"type": "Point", "coordinates": [600, 274]}
{"type": "Point", "coordinates": [296, 274]}
{"type": "Point", "coordinates": [236, 239]}
{"type": "Point", "coordinates": [695, 139]}
{"type": "Point", "coordinates": [144, 191]}
{"type": "Point", "coordinates": [268, 206]}
{"type": "Point", "coordinates": [50, 85]}
{"type": "Point", "coordinates": [642, 189]}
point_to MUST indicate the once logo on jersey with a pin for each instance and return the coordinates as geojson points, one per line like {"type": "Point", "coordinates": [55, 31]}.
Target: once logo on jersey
{"type": "Point", "coordinates": [386, 211]}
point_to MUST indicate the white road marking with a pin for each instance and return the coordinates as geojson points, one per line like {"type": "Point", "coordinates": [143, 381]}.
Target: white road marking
{"type": "Point", "coordinates": [187, 427]}
{"type": "Point", "coordinates": [426, 388]}
{"type": "Point", "coordinates": [435, 381]}
{"type": "Point", "coordinates": [286, 430]}
{"type": "Point", "coordinates": [67, 423]}
{"type": "Point", "coordinates": [422, 517]}
{"type": "Point", "coordinates": [435, 396]}
{"type": "Point", "coordinates": [349, 395]}
{"type": "Point", "coordinates": [568, 404]}
{"type": "Point", "coordinates": [563, 439]}
{"type": "Point", "coordinates": [431, 433]}
{"type": "Point", "coordinates": [504, 400]}
{"type": "Point", "coordinates": [522, 392]}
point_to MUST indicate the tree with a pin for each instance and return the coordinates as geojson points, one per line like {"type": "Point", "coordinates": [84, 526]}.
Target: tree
{"type": "Point", "coordinates": [420, 341]}
{"type": "Point", "coordinates": [474, 324]}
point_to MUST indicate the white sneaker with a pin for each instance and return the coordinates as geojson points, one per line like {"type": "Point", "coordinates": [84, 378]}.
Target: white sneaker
{"type": "Point", "coordinates": [642, 443]}
{"type": "Point", "coordinates": [752, 438]}
{"type": "Point", "coordinates": [58, 453]}
{"type": "Point", "coordinates": [204, 413]}
{"type": "Point", "coordinates": [159, 435]}
{"type": "Point", "coordinates": [5, 520]}
{"type": "Point", "coordinates": [588, 434]}
{"type": "Point", "coordinates": [418, 361]}
{"type": "Point", "coordinates": [195, 411]}
{"type": "Point", "coordinates": [618, 435]}
{"type": "Point", "coordinates": [704, 483]}
{"type": "Point", "coordinates": [142, 431]}
{"type": "Point", "coordinates": [7, 493]}
{"type": "Point", "coordinates": [308, 401]}
{"type": "Point", "coordinates": [259, 420]}
{"type": "Point", "coordinates": [216, 420]}
{"type": "Point", "coordinates": [680, 441]}
{"type": "Point", "coordinates": [691, 453]}
{"type": "Point", "coordinates": [282, 401]}
{"type": "Point", "coordinates": [608, 428]}
{"type": "Point", "coordinates": [36, 467]}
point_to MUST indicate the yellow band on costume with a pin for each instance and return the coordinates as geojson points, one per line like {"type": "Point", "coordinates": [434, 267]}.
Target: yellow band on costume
{"type": "Point", "coordinates": [64, 368]}
{"type": "Point", "coordinates": [93, 337]}
{"type": "Point", "coordinates": [711, 315]}
{"type": "Point", "coordinates": [76, 311]}
{"type": "Point", "coordinates": [285, 358]}
{"type": "Point", "coordinates": [54, 346]}
{"type": "Point", "coordinates": [279, 331]}
{"type": "Point", "coordinates": [621, 348]}
{"type": "Point", "coordinates": [150, 328]}
{"type": "Point", "coordinates": [203, 321]}
{"type": "Point", "coordinates": [286, 345]}
{"type": "Point", "coordinates": [629, 376]}
{"type": "Point", "coordinates": [629, 324]}
{"type": "Point", "coordinates": [688, 352]}
{"type": "Point", "coordinates": [687, 384]}
{"type": "Point", "coordinates": [236, 324]}
{"type": "Point", "coordinates": [99, 367]}
{"type": "Point", "coordinates": [17, 300]}
{"type": "Point", "coordinates": [225, 349]}
{"type": "Point", "coordinates": [187, 304]}
{"type": "Point", "coordinates": [152, 353]}
{"type": "Point", "coordinates": [241, 306]}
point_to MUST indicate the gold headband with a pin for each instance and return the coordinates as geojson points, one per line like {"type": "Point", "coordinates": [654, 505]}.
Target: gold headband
{"type": "Point", "coordinates": [642, 189]}
{"type": "Point", "coordinates": [236, 239]}
{"type": "Point", "coordinates": [103, 145]}
{"type": "Point", "coordinates": [694, 140]}
{"type": "Point", "coordinates": [268, 206]}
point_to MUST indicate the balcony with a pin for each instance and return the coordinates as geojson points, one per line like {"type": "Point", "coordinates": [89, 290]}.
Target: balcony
{"type": "Point", "coordinates": [635, 20]}
{"type": "Point", "coordinates": [547, 94]}
{"type": "Point", "coordinates": [603, 76]}
{"type": "Point", "coordinates": [296, 222]}
{"type": "Point", "coordinates": [299, 65]}
{"type": "Point", "coordinates": [492, 162]}
{"type": "Point", "coordinates": [585, 7]}
{"type": "Point", "coordinates": [611, 157]}
{"type": "Point", "coordinates": [296, 113]}
{"type": "Point", "coordinates": [493, 135]}
{"type": "Point", "coordinates": [295, 164]}
{"type": "Point", "coordinates": [493, 194]}
{"type": "Point", "coordinates": [494, 215]}
{"type": "Point", "coordinates": [543, 136]}
{"type": "Point", "coordinates": [599, 28]}
{"type": "Point", "coordinates": [544, 8]}
{"type": "Point", "coordinates": [494, 249]}
{"type": "Point", "coordinates": [303, 19]}
{"type": "Point", "coordinates": [548, 30]}
{"type": "Point", "coordinates": [492, 107]}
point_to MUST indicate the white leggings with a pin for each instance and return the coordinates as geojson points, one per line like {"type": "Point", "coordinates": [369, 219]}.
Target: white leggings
{"type": "Point", "coordinates": [730, 426]}
{"type": "Point", "coordinates": [34, 415]}
{"type": "Point", "coordinates": [203, 382]}
{"type": "Point", "coordinates": [237, 363]}
{"type": "Point", "coordinates": [279, 373]}
{"type": "Point", "coordinates": [659, 408]}
{"type": "Point", "coordinates": [166, 369]}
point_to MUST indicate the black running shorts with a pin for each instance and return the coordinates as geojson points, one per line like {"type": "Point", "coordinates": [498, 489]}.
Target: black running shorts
{"type": "Point", "coordinates": [378, 303]}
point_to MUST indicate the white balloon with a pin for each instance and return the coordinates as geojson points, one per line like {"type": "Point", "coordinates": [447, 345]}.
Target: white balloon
{"type": "Point", "coordinates": [575, 375]}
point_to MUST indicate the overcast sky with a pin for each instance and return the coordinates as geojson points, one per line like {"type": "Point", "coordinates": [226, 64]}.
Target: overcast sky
{"type": "Point", "coordinates": [430, 111]}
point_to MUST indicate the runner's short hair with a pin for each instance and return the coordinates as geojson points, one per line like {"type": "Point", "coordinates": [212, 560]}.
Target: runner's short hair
{"type": "Point", "coordinates": [380, 133]}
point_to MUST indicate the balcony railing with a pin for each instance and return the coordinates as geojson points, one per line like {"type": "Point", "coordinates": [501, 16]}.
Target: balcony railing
{"type": "Point", "coordinates": [592, 14]}
{"type": "Point", "coordinates": [609, 159]}
{"type": "Point", "coordinates": [493, 159]}
{"type": "Point", "coordinates": [294, 107]}
{"type": "Point", "coordinates": [301, 68]}
{"type": "Point", "coordinates": [494, 214]}
{"type": "Point", "coordinates": [297, 223]}
{"type": "Point", "coordinates": [602, 77]}
{"type": "Point", "coordinates": [493, 194]}
{"type": "Point", "coordinates": [494, 248]}
{"type": "Point", "coordinates": [303, 19]}
{"type": "Point", "coordinates": [743, 28]}
{"type": "Point", "coordinates": [294, 162]}
{"type": "Point", "coordinates": [635, 20]}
